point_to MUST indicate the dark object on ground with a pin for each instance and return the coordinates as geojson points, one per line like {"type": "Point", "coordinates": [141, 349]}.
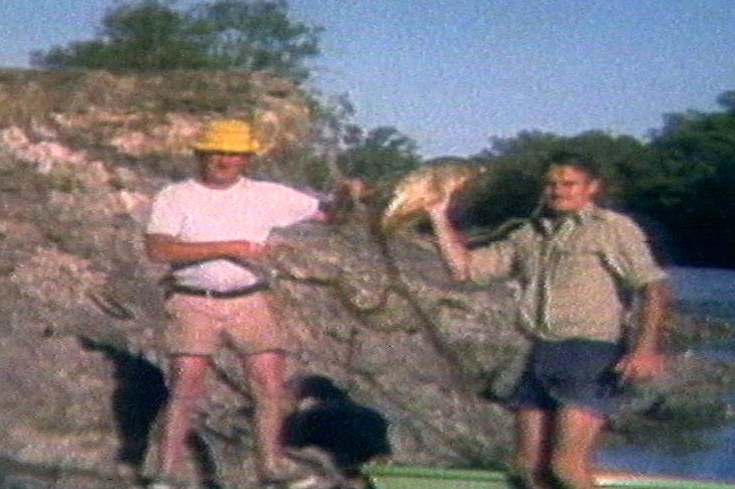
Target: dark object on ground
{"type": "Point", "coordinates": [328, 419]}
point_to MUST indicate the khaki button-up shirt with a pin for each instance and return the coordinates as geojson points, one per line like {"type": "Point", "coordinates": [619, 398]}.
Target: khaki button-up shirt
{"type": "Point", "coordinates": [577, 275]}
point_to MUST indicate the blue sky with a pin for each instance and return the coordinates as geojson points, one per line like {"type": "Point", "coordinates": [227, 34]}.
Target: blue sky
{"type": "Point", "coordinates": [452, 74]}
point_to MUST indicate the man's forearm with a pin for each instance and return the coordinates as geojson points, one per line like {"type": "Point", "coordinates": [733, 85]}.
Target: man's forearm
{"type": "Point", "coordinates": [167, 249]}
{"type": "Point", "coordinates": [645, 360]}
{"type": "Point", "coordinates": [451, 245]}
{"type": "Point", "coordinates": [656, 297]}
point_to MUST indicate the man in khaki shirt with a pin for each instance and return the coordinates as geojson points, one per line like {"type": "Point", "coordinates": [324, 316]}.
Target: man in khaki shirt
{"type": "Point", "coordinates": [581, 269]}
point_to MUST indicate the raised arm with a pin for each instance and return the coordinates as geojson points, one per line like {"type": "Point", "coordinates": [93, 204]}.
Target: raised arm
{"type": "Point", "coordinates": [450, 242]}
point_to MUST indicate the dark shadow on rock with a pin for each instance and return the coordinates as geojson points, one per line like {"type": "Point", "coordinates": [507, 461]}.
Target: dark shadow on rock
{"type": "Point", "coordinates": [140, 394]}
{"type": "Point", "coordinates": [205, 460]}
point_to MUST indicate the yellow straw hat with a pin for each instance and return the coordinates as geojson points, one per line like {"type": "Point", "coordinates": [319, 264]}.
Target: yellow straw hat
{"type": "Point", "coordinates": [229, 136]}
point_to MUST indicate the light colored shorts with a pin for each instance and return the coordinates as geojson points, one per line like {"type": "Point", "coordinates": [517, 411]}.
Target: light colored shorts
{"type": "Point", "coordinates": [202, 325]}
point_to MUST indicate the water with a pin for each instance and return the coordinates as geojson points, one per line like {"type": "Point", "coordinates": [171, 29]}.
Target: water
{"type": "Point", "coordinates": [710, 292]}
{"type": "Point", "coordinates": [716, 462]}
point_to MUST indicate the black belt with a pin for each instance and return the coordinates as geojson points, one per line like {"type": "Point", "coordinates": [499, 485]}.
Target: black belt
{"type": "Point", "coordinates": [215, 294]}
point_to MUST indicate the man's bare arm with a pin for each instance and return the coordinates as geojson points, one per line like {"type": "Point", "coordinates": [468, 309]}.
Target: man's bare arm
{"type": "Point", "coordinates": [165, 248]}
{"type": "Point", "coordinates": [449, 241]}
{"type": "Point", "coordinates": [645, 360]}
{"type": "Point", "coordinates": [656, 298]}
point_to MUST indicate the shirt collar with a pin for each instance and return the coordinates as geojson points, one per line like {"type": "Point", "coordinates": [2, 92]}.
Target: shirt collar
{"type": "Point", "coordinates": [582, 216]}
{"type": "Point", "coordinates": [585, 214]}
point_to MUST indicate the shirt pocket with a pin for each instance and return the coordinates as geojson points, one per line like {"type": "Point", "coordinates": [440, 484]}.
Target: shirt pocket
{"type": "Point", "coordinates": [575, 261]}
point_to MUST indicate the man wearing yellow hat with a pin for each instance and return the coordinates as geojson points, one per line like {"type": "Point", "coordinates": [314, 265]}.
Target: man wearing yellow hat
{"type": "Point", "coordinates": [209, 229]}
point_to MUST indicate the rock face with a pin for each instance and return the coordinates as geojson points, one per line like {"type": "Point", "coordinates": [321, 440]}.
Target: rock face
{"type": "Point", "coordinates": [81, 371]}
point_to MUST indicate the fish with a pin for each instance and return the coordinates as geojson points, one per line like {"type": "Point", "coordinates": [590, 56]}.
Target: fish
{"type": "Point", "coordinates": [441, 178]}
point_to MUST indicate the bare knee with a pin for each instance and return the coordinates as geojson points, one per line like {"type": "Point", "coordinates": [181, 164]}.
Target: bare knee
{"type": "Point", "coordinates": [268, 390]}
{"type": "Point", "coordinates": [183, 402]}
{"type": "Point", "coordinates": [187, 385]}
{"type": "Point", "coordinates": [266, 372]}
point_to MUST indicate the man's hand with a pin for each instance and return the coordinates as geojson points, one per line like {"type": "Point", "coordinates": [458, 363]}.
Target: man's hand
{"type": "Point", "coordinates": [645, 361]}
{"type": "Point", "coordinates": [641, 365]}
{"type": "Point", "coordinates": [357, 189]}
{"type": "Point", "coordinates": [248, 250]}
{"type": "Point", "coordinates": [439, 206]}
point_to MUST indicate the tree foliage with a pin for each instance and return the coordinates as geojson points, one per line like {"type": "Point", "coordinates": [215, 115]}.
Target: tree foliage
{"type": "Point", "coordinates": [256, 36]}
{"type": "Point", "coordinates": [151, 35]}
{"type": "Point", "coordinates": [695, 182]}
{"type": "Point", "coordinates": [511, 188]}
{"type": "Point", "coordinates": [682, 180]}
{"type": "Point", "coordinates": [682, 177]}
{"type": "Point", "coordinates": [380, 156]}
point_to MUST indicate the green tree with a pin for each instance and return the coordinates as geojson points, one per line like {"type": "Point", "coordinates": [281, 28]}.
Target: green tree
{"type": "Point", "coordinates": [622, 160]}
{"type": "Point", "coordinates": [381, 156]}
{"type": "Point", "coordinates": [149, 35]}
{"type": "Point", "coordinates": [256, 36]}
{"type": "Point", "coordinates": [696, 182]}
{"type": "Point", "coordinates": [511, 188]}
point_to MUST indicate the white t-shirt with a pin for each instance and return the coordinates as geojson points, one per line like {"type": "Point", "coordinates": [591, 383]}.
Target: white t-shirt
{"type": "Point", "coordinates": [248, 210]}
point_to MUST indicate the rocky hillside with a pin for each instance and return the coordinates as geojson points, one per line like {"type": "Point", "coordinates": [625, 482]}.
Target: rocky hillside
{"type": "Point", "coordinates": [81, 372]}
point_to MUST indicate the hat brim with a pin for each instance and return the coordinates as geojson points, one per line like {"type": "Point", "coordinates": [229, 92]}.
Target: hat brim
{"type": "Point", "coordinates": [224, 148]}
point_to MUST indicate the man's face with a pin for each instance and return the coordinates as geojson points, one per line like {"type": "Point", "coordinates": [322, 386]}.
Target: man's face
{"type": "Point", "coordinates": [219, 169]}
{"type": "Point", "coordinates": [569, 189]}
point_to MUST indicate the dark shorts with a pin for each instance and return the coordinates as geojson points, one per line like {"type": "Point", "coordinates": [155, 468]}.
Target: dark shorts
{"type": "Point", "coordinates": [574, 372]}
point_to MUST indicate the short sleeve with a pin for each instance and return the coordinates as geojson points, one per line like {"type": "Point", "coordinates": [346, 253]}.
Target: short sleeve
{"type": "Point", "coordinates": [290, 206]}
{"type": "Point", "coordinates": [166, 215]}
{"type": "Point", "coordinates": [630, 255]}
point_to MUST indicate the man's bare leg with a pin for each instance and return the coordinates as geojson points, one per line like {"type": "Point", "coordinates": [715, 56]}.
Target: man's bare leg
{"type": "Point", "coordinates": [266, 372]}
{"type": "Point", "coordinates": [187, 386]}
{"type": "Point", "coordinates": [531, 458]}
{"type": "Point", "coordinates": [576, 436]}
